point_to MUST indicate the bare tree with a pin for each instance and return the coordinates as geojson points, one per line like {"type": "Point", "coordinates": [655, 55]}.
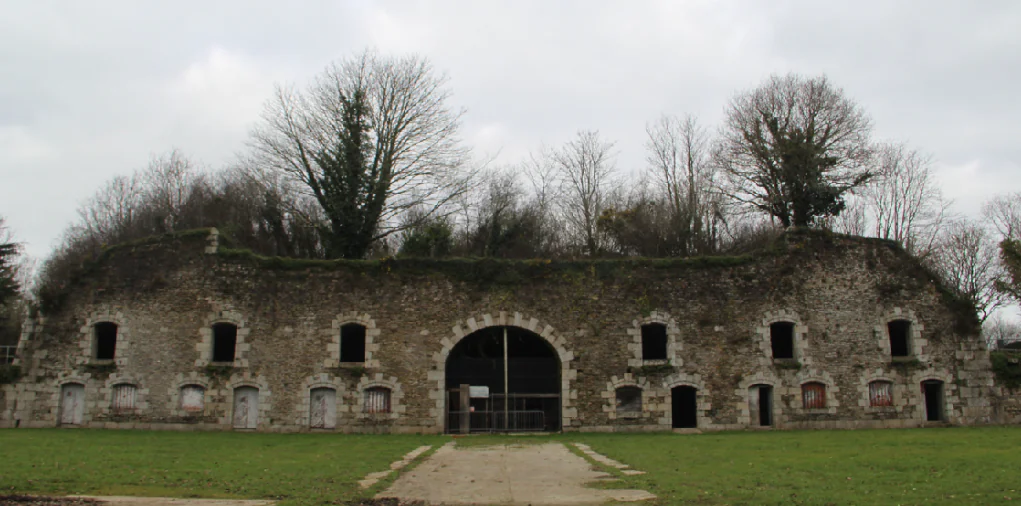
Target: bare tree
{"type": "Point", "coordinates": [905, 199]}
{"type": "Point", "coordinates": [373, 136]}
{"type": "Point", "coordinates": [9, 250]}
{"type": "Point", "coordinates": [114, 210]}
{"type": "Point", "coordinates": [967, 257]}
{"type": "Point", "coordinates": [853, 220]}
{"type": "Point", "coordinates": [168, 183]}
{"type": "Point", "coordinates": [793, 147]}
{"type": "Point", "coordinates": [999, 332]}
{"type": "Point", "coordinates": [678, 154]}
{"type": "Point", "coordinates": [543, 173]}
{"type": "Point", "coordinates": [1004, 212]}
{"type": "Point", "coordinates": [585, 165]}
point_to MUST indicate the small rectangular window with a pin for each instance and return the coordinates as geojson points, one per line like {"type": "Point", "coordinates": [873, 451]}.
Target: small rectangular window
{"type": "Point", "coordinates": [225, 339]}
{"type": "Point", "coordinates": [629, 400]}
{"type": "Point", "coordinates": [899, 331]}
{"type": "Point", "coordinates": [813, 395]}
{"type": "Point", "coordinates": [105, 340]}
{"type": "Point", "coordinates": [377, 400]}
{"type": "Point", "coordinates": [352, 343]}
{"type": "Point", "coordinates": [124, 398]}
{"type": "Point", "coordinates": [880, 394]}
{"type": "Point", "coordinates": [192, 398]}
{"type": "Point", "coordinates": [654, 341]}
{"type": "Point", "coordinates": [781, 339]}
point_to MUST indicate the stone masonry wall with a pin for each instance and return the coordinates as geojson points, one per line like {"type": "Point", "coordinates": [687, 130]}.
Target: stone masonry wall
{"type": "Point", "coordinates": [839, 293]}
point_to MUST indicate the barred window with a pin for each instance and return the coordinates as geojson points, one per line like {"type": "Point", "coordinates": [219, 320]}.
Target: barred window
{"type": "Point", "coordinates": [880, 394]}
{"type": "Point", "coordinates": [813, 395]}
{"type": "Point", "coordinates": [192, 398]}
{"type": "Point", "coordinates": [377, 400]}
{"type": "Point", "coordinates": [124, 398]}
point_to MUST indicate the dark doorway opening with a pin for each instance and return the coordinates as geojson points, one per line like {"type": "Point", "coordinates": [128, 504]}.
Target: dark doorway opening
{"type": "Point", "coordinates": [225, 340]}
{"type": "Point", "coordinates": [899, 331]}
{"type": "Point", "coordinates": [762, 404]}
{"type": "Point", "coordinates": [685, 407]}
{"type": "Point", "coordinates": [781, 338]}
{"type": "Point", "coordinates": [532, 400]}
{"type": "Point", "coordinates": [106, 340]}
{"type": "Point", "coordinates": [933, 390]}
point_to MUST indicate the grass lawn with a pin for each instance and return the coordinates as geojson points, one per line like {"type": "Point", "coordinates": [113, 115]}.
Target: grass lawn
{"type": "Point", "coordinates": [918, 466]}
{"type": "Point", "coordinates": [298, 468]}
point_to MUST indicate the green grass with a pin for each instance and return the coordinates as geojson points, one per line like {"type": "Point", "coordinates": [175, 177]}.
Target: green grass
{"type": "Point", "coordinates": [919, 466]}
{"type": "Point", "coordinates": [296, 468]}
{"type": "Point", "coordinates": [922, 466]}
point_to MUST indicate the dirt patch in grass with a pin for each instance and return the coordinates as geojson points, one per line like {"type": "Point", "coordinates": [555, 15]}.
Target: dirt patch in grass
{"type": "Point", "coordinates": [384, 501]}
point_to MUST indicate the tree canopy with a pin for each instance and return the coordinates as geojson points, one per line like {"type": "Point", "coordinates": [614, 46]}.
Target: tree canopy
{"type": "Point", "coordinates": [372, 138]}
{"type": "Point", "coordinates": [793, 147]}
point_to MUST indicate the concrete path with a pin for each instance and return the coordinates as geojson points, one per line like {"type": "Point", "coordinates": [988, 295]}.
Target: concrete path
{"type": "Point", "coordinates": [534, 474]}
{"type": "Point", "coordinates": [168, 501]}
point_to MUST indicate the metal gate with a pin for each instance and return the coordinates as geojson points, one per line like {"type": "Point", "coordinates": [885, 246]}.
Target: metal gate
{"type": "Point", "coordinates": [72, 404]}
{"type": "Point", "coordinates": [522, 412]}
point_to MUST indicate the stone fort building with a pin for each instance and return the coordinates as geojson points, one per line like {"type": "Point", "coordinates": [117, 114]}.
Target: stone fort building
{"type": "Point", "coordinates": [817, 331]}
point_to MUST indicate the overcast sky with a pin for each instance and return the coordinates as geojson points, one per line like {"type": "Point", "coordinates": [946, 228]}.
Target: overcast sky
{"type": "Point", "coordinates": [89, 90]}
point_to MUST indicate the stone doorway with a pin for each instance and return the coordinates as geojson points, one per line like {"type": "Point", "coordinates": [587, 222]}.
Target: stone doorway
{"type": "Point", "coordinates": [684, 407]}
{"type": "Point", "coordinates": [72, 404]}
{"type": "Point", "coordinates": [524, 396]}
{"type": "Point", "coordinates": [933, 392]}
{"type": "Point", "coordinates": [760, 405]}
{"type": "Point", "coordinates": [246, 408]}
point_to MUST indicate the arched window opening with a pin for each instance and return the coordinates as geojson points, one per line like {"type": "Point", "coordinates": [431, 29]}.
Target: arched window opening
{"type": "Point", "coordinates": [225, 340]}
{"type": "Point", "coordinates": [377, 400]}
{"type": "Point", "coordinates": [813, 395]}
{"type": "Point", "coordinates": [352, 343]}
{"type": "Point", "coordinates": [104, 346]}
{"type": "Point", "coordinates": [880, 394]}
{"type": "Point", "coordinates": [900, 331]}
{"type": "Point", "coordinates": [654, 341]}
{"type": "Point", "coordinates": [781, 338]}
{"type": "Point", "coordinates": [629, 400]}
{"type": "Point", "coordinates": [193, 398]}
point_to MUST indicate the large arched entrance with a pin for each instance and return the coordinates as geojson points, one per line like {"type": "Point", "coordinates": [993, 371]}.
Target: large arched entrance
{"type": "Point", "coordinates": [503, 379]}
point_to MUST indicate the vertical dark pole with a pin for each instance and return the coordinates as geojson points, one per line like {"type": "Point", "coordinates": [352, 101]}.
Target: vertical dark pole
{"type": "Point", "coordinates": [506, 387]}
{"type": "Point", "coordinates": [465, 408]}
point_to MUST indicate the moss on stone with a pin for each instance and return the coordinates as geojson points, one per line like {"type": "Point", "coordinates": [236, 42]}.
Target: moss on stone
{"type": "Point", "coordinates": [1007, 368]}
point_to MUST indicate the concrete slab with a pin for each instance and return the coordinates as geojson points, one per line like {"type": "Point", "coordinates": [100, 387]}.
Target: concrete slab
{"type": "Point", "coordinates": [547, 474]}
{"type": "Point", "coordinates": [171, 501]}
